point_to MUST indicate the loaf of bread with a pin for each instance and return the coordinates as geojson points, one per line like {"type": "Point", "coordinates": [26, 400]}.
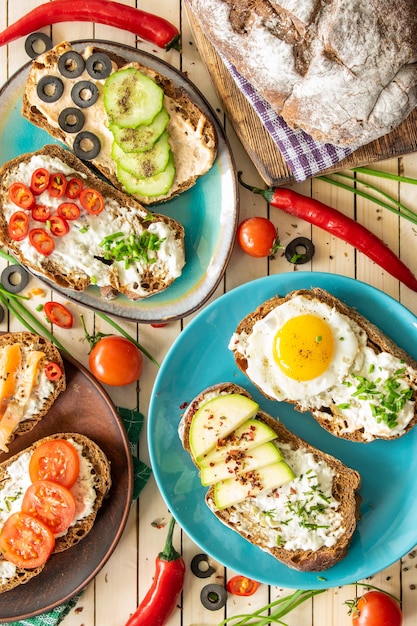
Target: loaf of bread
{"type": "Point", "coordinates": [192, 135]}
{"type": "Point", "coordinates": [153, 252]}
{"type": "Point", "coordinates": [344, 71]}
{"type": "Point", "coordinates": [95, 472]}
{"type": "Point", "coordinates": [285, 522]}
{"type": "Point", "coordinates": [26, 392]}
{"type": "Point", "coordinates": [311, 349]}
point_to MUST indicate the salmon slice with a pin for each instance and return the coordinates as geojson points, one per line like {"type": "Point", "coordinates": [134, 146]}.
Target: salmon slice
{"type": "Point", "coordinates": [10, 361]}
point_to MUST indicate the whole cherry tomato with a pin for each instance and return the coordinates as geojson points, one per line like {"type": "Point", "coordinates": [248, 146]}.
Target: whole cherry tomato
{"type": "Point", "coordinates": [376, 608]}
{"type": "Point", "coordinates": [257, 236]}
{"type": "Point", "coordinates": [115, 361]}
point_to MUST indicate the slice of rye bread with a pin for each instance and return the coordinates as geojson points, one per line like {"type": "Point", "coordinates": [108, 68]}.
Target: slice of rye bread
{"type": "Point", "coordinates": [193, 136]}
{"type": "Point", "coordinates": [376, 339]}
{"type": "Point", "coordinates": [30, 342]}
{"type": "Point", "coordinates": [150, 278]}
{"type": "Point", "coordinates": [102, 483]}
{"type": "Point", "coordinates": [345, 490]}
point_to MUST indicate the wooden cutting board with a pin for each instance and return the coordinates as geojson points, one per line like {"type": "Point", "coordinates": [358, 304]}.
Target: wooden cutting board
{"type": "Point", "coordinates": [257, 142]}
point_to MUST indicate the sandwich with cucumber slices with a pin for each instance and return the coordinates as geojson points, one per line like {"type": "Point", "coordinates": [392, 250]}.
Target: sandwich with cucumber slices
{"type": "Point", "coordinates": [277, 491]}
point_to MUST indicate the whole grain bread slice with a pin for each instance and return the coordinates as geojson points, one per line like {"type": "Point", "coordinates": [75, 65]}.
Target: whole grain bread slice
{"type": "Point", "coordinates": [345, 490]}
{"type": "Point", "coordinates": [330, 418]}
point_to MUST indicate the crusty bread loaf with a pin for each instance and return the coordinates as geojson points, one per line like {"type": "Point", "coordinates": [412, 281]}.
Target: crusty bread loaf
{"type": "Point", "coordinates": [101, 477]}
{"type": "Point", "coordinates": [344, 71]}
{"type": "Point", "coordinates": [45, 391]}
{"type": "Point", "coordinates": [345, 490]}
{"type": "Point", "coordinates": [78, 260]}
{"type": "Point", "coordinates": [331, 416]}
{"type": "Point", "coordinates": [192, 134]}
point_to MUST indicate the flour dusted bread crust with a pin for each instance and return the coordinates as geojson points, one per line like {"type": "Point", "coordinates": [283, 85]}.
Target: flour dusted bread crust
{"type": "Point", "coordinates": [344, 71]}
{"type": "Point", "coordinates": [345, 489]}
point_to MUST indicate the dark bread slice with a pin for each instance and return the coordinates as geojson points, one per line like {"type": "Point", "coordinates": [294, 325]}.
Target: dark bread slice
{"type": "Point", "coordinates": [148, 282]}
{"type": "Point", "coordinates": [102, 483]}
{"type": "Point", "coordinates": [346, 484]}
{"type": "Point", "coordinates": [329, 417]}
{"type": "Point", "coordinates": [30, 342]}
{"type": "Point", "coordinates": [193, 136]}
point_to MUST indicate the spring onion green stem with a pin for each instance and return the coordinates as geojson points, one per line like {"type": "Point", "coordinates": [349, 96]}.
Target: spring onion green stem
{"type": "Point", "coordinates": [8, 257]}
{"type": "Point", "coordinates": [371, 172]}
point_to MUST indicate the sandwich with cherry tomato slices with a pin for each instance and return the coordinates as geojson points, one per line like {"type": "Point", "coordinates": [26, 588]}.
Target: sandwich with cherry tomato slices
{"type": "Point", "coordinates": [50, 494]}
{"type": "Point", "coordinates": [32, 376]}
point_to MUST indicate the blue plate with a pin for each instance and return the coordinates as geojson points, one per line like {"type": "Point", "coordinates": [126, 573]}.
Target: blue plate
{"type": "Point", "coordinates": [200, 357]}
{"type": "Point", "coordinates": [208, 211]}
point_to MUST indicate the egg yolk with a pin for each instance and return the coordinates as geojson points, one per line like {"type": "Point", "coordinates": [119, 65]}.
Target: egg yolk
{"type": "Point", "coordinates": [303, 347]}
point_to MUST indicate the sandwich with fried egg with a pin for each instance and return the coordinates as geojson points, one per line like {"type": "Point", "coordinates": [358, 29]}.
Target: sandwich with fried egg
{"type": "Point", "coordinates": [311, 349]}
{"type": "Point", "coordinates": [277, 491]}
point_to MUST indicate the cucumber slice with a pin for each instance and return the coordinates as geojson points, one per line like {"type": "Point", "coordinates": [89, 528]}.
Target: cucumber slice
{"type": "Point", "coordinates": [131, 98]}
{"type": "Point", "coordinates": [152, 187]}
{"type": "Point", "coordinates": [144, 164]}
{"type": "Point", "coordinates": [142, 137]}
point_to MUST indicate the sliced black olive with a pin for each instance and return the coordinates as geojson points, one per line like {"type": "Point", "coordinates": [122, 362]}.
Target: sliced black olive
{"type": "Point", "coordinates": [300, 250]}
{"type": "Point", "coordinates": [98, 65]}
{"type": "Point", "coordinates": [213, 597]}
{"type": "Point", "coordinates": [1, 314]}
{"type": "Point", "coordinates": [86, 145]}
{"type": "Point", "coordinates": [71, 64]}
{"type": "Point", "coordinates": [201, 560]}
{"type": "Point", "coordinates": [84, 94]}
{"type": "Point", "coordinates": [50, 88]}
{"type": "Point", "coordinates": [37, 43]}
{"type": "Point", "coordinates": [14, 278]}
{"type": "Point", "coordinates": [71, 120]}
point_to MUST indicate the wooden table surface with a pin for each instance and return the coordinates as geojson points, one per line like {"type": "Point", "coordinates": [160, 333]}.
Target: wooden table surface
{"type": "Point", "coordinates": [114, 594]}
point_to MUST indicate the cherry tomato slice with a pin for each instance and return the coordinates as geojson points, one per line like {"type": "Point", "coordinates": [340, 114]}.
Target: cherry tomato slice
{"type": "Point", "coordinates": [242, 586]}
{"type": "Point", "coordinates": [58, 314]}
{"type": "Point", "coordinates": [257, 236]}
{"type": "Point", "coordinates": [53, 371]}
{"type": "Point", "coordinates": [26, 541]}
{"type": "Point", "coordinates": [39, 181]}
{"type": "Point", "coordinates": [74, 188]}
{"type": "Point", "coordinates": [92, 201]}
{"type": "Point", "coordinates": [21, 195]}
{"type": "Point", "coordinates": [58, 226]}
{"type": "Point", "coordinates": [51, 503]}
{"type": "Point", "coordinates": [18, 226]}
{"type": "Point", "coordinates": [69, 211]}
{"type": "Point", "coordinates": [56, 460]}
{"type": "Point", "coordinates": [41, 213]}
{"type": "Point", "coordinates": [57, 185]}
{"type": "Point", "coordinates": [116, 361]}
{"type": "Point", "coordinates": [41, 241]}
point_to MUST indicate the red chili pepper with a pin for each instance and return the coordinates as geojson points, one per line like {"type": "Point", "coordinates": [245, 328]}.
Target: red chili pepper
{"type": "Point", "coordinates": [339, 225]}
{"type": "Point", "coordinates": [145, 25]}
{"type": "Point", "coordinates": [165, 590]}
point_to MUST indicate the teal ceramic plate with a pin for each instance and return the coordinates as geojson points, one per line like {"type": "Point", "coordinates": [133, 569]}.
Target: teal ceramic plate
{"type": "Point", "coordinates": [200, 357]}
{"type": "Point", "coordinates": [208, 211]}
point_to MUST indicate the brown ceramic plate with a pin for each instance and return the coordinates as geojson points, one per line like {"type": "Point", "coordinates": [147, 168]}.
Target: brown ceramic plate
{"type": "Point", "coordinates": [87, 409]}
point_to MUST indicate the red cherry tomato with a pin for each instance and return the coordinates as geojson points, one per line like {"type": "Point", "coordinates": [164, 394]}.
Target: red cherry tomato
{"type": "Point", "coordinates": [53, 371]}
{"type": "Point", "coordinates": [57, 185]}
{"type": "Point", "coordinates": [39, 181]}
{"type": "Point", "coordinates": [59, 227]}
{"type": "Point", "coordinates": [41, 241]}
{"type": "Point", "coordinates": [116, 361]}
{"type": "Point", "coordinates": [69, 211]}
{"type": "Point", "coordinates": [257, 236]}
{"type": "Point", "coordinates": [58, 314]}
{"type": "Point", "coordinates": [21, 195]}
{"type": "Point", "coordinates": [376, 608]}
{"type": "Point", "coordinates": [242, 586]}
{"type": "Point", "coordinates": [56, 460]}
{"type": "Point", "coordinates": [51, 503]}
{"type": "Point", "coordinates": [26, 541]}
{"type": "Point", "coordinates": [18, 226]}
{"type": "Point", "coordinates": [74, 187]}
{"type": "Point", "coordinates": [41, 213]}
{"type": "Point", "coordinates": [92, 201]}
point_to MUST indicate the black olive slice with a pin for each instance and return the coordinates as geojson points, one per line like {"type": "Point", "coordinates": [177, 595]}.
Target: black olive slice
{"type": "Point", "coordinates": [98, 65]}
{"type": "Point", "coordinates": [84, 94]}
{"type": "Point", "coordinates": [213, 597]}
{"type": "Point", "coordinates": [201, 560]}
{"type": "Point", "coordinates": [14, 278]}
{"type": "Point", "coordinates": [300, 250]}
{"type": "Point", "coordinates": [71, 120]}
{"type": "Point", "coordinates": [50, 88]}
{"type": "Point", "coordinates": [71, 64]}
{"type": "Point", "coordinates": [86, 145]}
{"type": "Point", "coordinates": [37, 43]}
